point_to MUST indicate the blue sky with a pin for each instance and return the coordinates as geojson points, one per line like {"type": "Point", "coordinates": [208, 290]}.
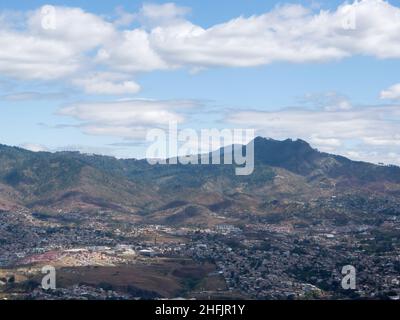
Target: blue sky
{"type": "Point", "coordinates": [107, 71]}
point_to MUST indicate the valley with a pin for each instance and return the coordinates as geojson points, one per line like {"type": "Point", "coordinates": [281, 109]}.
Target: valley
{"type": "Point", "coordinates": [123, 229]}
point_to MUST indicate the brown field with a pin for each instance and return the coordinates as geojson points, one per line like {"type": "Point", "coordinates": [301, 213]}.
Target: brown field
{"type": "Point", "coordinates": [166, 278]}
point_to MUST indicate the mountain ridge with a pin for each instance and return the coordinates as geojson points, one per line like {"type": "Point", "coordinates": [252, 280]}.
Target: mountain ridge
{"type": "Point", "coordinates": [287, 171]}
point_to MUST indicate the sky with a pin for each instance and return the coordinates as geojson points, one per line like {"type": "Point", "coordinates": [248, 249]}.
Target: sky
{"type": "Point", "coordinates": [96, 76]}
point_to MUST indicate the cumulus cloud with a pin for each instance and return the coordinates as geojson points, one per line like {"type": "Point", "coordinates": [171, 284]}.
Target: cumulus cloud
{"type": "Point", "coordinates": [392, 93]}
{"type": "Point", "coordinates": [289, 33]}
{"type": "Point", "coordinates": [124, 18]}
{"type": "Point", "coordinates": [167, 39]}
{"type": "Point", "coordinates": [131, 52]}
{"type": "Point", "coordinates": [81, 30]}
{"type": "Point", "coordinates": [27, 57]}
{"type": "Point", "coordinates": [40, 51]}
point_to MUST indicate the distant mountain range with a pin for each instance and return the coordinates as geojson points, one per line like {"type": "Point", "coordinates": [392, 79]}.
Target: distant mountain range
{"type": "Point", "coordinates": [291, 181]}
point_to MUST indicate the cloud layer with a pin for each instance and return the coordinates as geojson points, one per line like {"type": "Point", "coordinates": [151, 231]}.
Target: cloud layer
{"type": "Point", "coordinates": [63, 42]}
{"type": "Point", "coordinates": [128, 119]}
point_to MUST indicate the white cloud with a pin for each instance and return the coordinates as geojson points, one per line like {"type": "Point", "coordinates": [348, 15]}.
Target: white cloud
{"type": "Point", "coordinates": [125, 132]}
{"type": "Point", "coordinates": [392, 139]}
{"type": "Point", "coordinates": [131, 52]}
{"type": "Point", "coordinates": [35, 52]}
{"type": "Point", "coordinates": [104, 150]}
{"type": "Point", "coordinates": [166, 39]}
{"type": "Point", "coordinates": [107, 84]}
{"type": "Point", "coordinates": [95, 86]}
{"type": "Point", "coordinates": [316, 139]}
{"type": "Point", "coordinates": [329, 101]}
{"type": "Point", "coordinates": [74, 27]}
{"type": "Point", "coordinates": [128, 119]}
{"type": "Point", "coordinates": [392, 93]}
{"type": "Point", "coordinates": [29, 96]}
{"type": "Point", "coordinates": [124, 18]}
{"type": "Point", "coordinates": [162, 14]}
{"type": "Point", "coordinates": [126, 112]}
{"type": "Point", "coordinates": [289, 33]}
{"type": "Point", "coordinates": [381, 155]}
{"type": "Point", "coordinates": [27, 57]}
{"type": "Point", "coordinates": [34, 147]}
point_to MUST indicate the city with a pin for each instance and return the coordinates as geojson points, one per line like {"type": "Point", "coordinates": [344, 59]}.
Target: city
{"type": "Point", "coordinates": [243, 261]}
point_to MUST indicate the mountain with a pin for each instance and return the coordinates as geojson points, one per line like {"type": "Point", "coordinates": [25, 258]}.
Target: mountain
{"type": "Point", "coordinates": [66, 180]}
{"type": "Point", "coordinates": [291, 181]}
{"type": "Point", "coordinates": [300, 158]}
